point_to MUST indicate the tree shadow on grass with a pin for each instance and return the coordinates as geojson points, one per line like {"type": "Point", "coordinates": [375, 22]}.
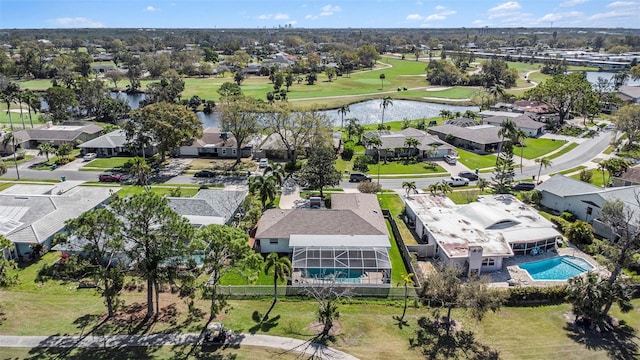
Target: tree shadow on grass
{"type": "Point", "coordinates": [619, 343]}
{"type": "Point", "coordinates": [261, 324]}
{"type": "Point", "coordinates": [111, 353]}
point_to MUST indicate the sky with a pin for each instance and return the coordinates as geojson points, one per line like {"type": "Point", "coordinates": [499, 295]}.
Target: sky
{"type": "Point", "coordinates": [29, 14]}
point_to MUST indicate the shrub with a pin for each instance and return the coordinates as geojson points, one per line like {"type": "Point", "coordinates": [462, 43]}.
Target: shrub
{"type": "Point", "coordinates": [580, 232]}
{"type": "Point", "coordinates": [430, 165]}
{"type": "Point", "coordinates": [369, 187]}
{"type": "Point", "coordinates": [361, 163]}
{"type": "Point", "coordinates": [347, 151]}
{"type": "Point", "coordinates": [525, 296]}
{"type": "Point", "coordinates": [561, 223]}
{"type": "Point", "coordinates": [292, 166]}
{"type": "Point", "coordinates": [586, 175]}
{"type": "Point", "coordinates": [568, 216]}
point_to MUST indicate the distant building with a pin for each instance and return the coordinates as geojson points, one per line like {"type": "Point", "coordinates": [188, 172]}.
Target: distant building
{"type": "Point", "coordinates": [72, 133]}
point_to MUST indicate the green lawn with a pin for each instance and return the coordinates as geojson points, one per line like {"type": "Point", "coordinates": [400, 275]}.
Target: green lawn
{"type": "Point", "coordinates": [395, 205]}
{"type": "Point", "coordinates": [103, 164]}
{"type": "Point", "coordinates": [475, 161]}
{"type": "Point", "coordinates": [596, 178]}
{"type": "Point", "coordinates": [538, 147]}
{"type": "Point", "coordinates": [563, 151]}
{"type": "Point", "coordinates": [399, 167]}
{"type": "Point", "coordinates": [456, 92]}
{"type": "Point", "coordinates": [129, 190]}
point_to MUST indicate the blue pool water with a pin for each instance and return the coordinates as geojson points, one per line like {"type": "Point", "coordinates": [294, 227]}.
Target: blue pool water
{"type": "Point", "coordinates": [342, 275]}
{"type": "Point", "coordinates": [556, 268]}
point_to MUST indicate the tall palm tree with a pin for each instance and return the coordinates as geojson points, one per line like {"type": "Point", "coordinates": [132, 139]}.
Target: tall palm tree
{"type": "Point", "coordinates": [352, 127]}
{"type": "Point", "coordinates": [409, 186]}
{"type": "Point", "coordinates": [546, 162]}
{"type": "Point", "coordinates": [412, 143]}
{"type": "Point", "coordinates": [343, 110]}
{"type": "Point", "coordinates": [10, 138]}
{"type": "Point", "coordinates": [382, 77]}
{"type": "Point", "coordinates": [406, 280]}
{"type": "Point", "coordinates": [8, 95]}
{"type": "Point", "coordinates": [497, 90]}
{"type": "Point", "coordinates": [20, 100]}
{"type": "Point", "coordinates": [140, 171]}
{"type": "Point", "coordinates": [508, 130]}
{"type": "Point", "coordinates": [281, 269]}
{"type": "Point", "coordinates": [386, 102]}
{"type": "Point", "coordinates": [521, 136]}
{"type": "Point", "coordinates": [33, 104]}
{"type": "Point", "coordinates": [46, 149]}
{"type": "Point", "coordinates": [266, 188]}
{"type": "Point", "coordinates": [277, 172]}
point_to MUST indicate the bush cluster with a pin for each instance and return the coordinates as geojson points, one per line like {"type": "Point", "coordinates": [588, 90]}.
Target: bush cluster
{"type": "Point", "coordinates": [526, 296]}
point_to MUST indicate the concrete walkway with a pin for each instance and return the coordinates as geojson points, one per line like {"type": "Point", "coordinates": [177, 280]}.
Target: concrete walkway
{"type": "Point", "coordinates": [276, 342]}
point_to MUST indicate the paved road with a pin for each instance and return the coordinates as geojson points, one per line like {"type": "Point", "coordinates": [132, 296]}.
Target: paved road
{"type": "Point", "coordinates": [309, 348]}
{"type": "Point", "coordinates": [583, 153]}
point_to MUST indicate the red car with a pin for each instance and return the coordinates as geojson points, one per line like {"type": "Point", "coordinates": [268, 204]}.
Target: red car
{"type": "Point", "coordinates": [110, 177]}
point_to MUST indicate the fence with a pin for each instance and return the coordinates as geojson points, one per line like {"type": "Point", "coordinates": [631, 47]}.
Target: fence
{"type": "Point", "coordinates": [354, 291]}
{"type": "Point", "coordinates": [404, 252]}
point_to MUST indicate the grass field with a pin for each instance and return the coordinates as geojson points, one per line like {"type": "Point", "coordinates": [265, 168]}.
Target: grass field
{"type": "Point", "coordinates": [475, 161]}
{"type": "Point", "coordinates": [563, 151]}
{"type": "Point", "coordinates": [395, 205]}
{"type": "Point", "coordinates": [538, 147]}
{"type": "Point", "coordinates": [103, 164]}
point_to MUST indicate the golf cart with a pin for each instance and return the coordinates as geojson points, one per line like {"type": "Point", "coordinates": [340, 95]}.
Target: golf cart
{"type": "Point", "coordinates": [217, 334]}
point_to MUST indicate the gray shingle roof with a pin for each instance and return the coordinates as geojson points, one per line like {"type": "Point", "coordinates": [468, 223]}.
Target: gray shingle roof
{"type": "Point", "coordinates": [565, 186]}
{"type": "Point", "coordinates": [209, 203]}
{"type": "Point", "coordinates": [112, 140]}
{"type": "Point", "coordinates": [478, 134]}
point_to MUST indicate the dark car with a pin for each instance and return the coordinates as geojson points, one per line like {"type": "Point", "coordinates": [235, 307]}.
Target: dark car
{"type": "Point", "coordinates": [524, 186]}
{"type": "Point", "coordinates": [357, 177]}
{"type": "Point", "coordinates": [468, 175]}
{"type": "Point", "coordinates": [110, 177]}
{"type": "Point", "coordinates": [205, 173]}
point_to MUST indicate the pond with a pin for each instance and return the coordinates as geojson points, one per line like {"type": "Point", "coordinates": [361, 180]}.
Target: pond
{"type": "Point", "coordinates": [593, 76]}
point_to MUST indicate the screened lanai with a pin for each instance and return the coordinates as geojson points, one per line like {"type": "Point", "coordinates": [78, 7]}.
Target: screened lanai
{"type": "Point", "coordinates": [347, 265]}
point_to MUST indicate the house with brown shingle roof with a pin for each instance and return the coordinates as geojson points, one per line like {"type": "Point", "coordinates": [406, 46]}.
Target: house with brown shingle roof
{"type": "Point", "coordinates": [215, 143]}
{"type": "Point", "coordinates": [523, 122]}
{"type": "Point", "coordinates": [349, 242]}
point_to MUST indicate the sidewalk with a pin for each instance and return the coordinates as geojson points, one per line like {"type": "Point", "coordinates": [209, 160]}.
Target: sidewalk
{"type": "Point", "coordinates": [277, 342]}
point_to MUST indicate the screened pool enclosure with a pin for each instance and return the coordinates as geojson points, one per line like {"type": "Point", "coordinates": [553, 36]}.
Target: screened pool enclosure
{"type": "Point", "coordinates": [369, 266]}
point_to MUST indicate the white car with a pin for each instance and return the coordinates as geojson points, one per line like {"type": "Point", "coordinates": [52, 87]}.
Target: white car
{"type": "Point", "coordinates": [456, 181]}
{"type": "Point", "coordinates": [264, 162]}
{"type": "Point", "coordinates": [89, 156]}
{"type": "Point", "coordinates": [451, 160]}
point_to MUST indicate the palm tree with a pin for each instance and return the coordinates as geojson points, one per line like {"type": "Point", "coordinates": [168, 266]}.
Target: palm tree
{"type": "Point", "coordinates": [546, 162]}
{"type": "Point", "coordinates": [508, 130]}
{"type": "Point", "coordinates": [520, 137]}
{"type": "Point", "coordinates": [46, 149]}
{"type": "Point", "coordinates": [33, 103]}
{"type": "Point", "coordinates": [433, 188]}
{"type": "Point", "coordinates": [277, 172]}
{"type": "Point", "coordinates": [386, 102]}
{"type": "Point", "coordinates": [445, 188]}
{"type": "Point", "coordinates": [445, 114]}
{"type": "Point", "coordinates": [281, 268]}
{"type": "Point", "coordinates": [266, 188]}
{"type": "Point", "coordinates": [497, 90]}
{"type": "Point", "coordinates": [409, 186]}
{"type": "Point", "coordinates": [382, 77]}
{"type": "Point", "coordinates": [20, 99]}
{"type": "Point", "coordinates": [469, 114]}
{"type": "Point", "coordinates": [140, 170]}
{"type": "Point", "coordinates": [10, 138]}
{"type": "Point", "coordinates": [412, 143]}
{"type": "Point", "coordinates": [352, 127]}
{"type": "Point", "coordinates": [8, 95]}
{"type": "Point", "coordinates": [406, 280]}
{"type": "Point", "coordinates": [343, 110]}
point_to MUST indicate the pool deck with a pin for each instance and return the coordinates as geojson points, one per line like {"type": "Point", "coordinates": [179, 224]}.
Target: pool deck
{"type": "Point", "coordinates": [512, 275]}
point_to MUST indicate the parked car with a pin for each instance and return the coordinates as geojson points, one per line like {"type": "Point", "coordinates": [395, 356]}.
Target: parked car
{"type": "Point", "coordinates": [357, 177]}
{"type": "Point", "coordinates": [89, 156]}
{"type": "Point", "coordinates": [468, 175]}
{"type": "Point", "coordinates": [217, 333]}
{"type": "Point", "coordinates": [110, 177]}
{"type": "Point", "coordinates": [456, 181]}
{"type": "Point", "coordinates": [524, 186]}
{"type": "Point", "coordinates": [451, 160]}
{"type": "Point", "coordinates": [205, 173]}
{"type": "Point", "coordinates": [264, 162]}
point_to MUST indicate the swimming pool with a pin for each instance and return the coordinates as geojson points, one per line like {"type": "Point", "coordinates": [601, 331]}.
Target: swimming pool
{"type": "Point", "coordinates": [556, 268]}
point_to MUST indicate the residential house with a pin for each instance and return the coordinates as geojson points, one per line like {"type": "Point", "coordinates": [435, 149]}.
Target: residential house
{"type": "Point", "coordinates": [629, 94]}
{"type": "Point", "coordinates": [393, 144]}
{"type": "Point", "coordinates": [529, 126]}
{"type": "Point", "coordinates": [114, 143]}
{"type": "Point", "coordinates": [73, 133]}
{"type": "Point", "coordinates": [33, 214]}
{"type": "Point", "coordinates": [272, 146]}
{"type": "Point", "coordinates": [584, 201]}
{"type": "Point", "coordinates": [482, 139]}
{"type": "Point", "coordinates": [209, 206]}
{"type": "Point", "coordinates": [215, 143]}
{"type": "Point", "coordinates": [628, 177]}
{"type": "Point", "coordinates": [480, 235]}
{"type": "Point", "coordinates": [350, 241]}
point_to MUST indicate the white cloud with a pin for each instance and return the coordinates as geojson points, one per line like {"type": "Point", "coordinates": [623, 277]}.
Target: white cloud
{"type": "Point", "coordinates": [608, 15]}
{"type": "Point", "coordinates": [508, 6]}
{"type": "Point", "coordinates": [331, 8]}
{"type": "Point", "coordinates": [414, 17]}
{"type": "Point", "coordinates": [75, 22]}
{"type": "Point", "coordinates": [151, 8]}
{"type": "Point", "coordinates": [311, 17]}
{"type": "Point", "coordinates": [292, 22]}
{"type": "Point", "coordinates": [273, 16]}
{"type": "Point", "coordinates": [419, 3]}
{"type": "Point", "coordinates": [434, 17]}
{"type": "Point", "coordinates": [560, 16]}
{"type": "Point", "coordinates": [570, 3]}
{"type": "Point", "coordinates": [622, 4]}
{"type": "Point", "coordinates": [440, 7]}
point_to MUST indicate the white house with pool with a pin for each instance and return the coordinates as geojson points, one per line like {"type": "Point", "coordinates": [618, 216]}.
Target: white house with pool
{"type": "Point", "coordinates": [479, 235]}
{"type": "Point", "coordinates": [348, 243]}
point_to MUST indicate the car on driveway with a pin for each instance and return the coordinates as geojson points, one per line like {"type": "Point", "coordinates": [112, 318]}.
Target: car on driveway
{"type": "Point", "coordinates": [456, 181]}
{"type": "Point", "coordinates": [205, 173]}
{"type": "Point", "coordinates": [451, 160]}
{"type": "Point", "coordinates": [468, 175]}
{"type": "Point", "coordinates": [263, 163]}
{"type": "Point", "coordinates": [357, 177]}
{"type": "Point", "coordinates": [110, 177]}
{"type": "Point", "coordinates": [89, 156]}
{"type": "Point", "coordinates": [522, 185]}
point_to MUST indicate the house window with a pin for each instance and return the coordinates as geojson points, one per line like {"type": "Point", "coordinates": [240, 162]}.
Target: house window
{"type": "Point", "coordinates": [273, 241]}
{"type": "Point", "coordinates": [224, 151]}
{"type": "Point", "coordinates": [488, 262]}
{"type": "Point", "coordinates": [233, 151]}
{"type": "Point", "coordinates": [589, 210]}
